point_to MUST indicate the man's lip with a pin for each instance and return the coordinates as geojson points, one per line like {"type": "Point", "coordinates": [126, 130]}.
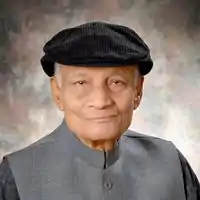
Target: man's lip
{"type": "Point", "coordinates": [102, 117]}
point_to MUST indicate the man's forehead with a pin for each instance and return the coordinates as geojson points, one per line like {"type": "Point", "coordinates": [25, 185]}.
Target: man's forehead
{"type": "Point", "coordinates": [85, 70]}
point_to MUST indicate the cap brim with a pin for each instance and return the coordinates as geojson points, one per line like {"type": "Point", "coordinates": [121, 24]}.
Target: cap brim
{"type": "Point", "coordinates": [48, 64]}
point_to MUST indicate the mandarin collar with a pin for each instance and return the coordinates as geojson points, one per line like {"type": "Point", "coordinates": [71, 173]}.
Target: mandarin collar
{"type": "Point", "coordinates": [96, 158]}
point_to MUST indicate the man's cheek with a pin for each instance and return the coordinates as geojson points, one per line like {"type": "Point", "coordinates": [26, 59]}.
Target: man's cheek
{"type": "Point", "coordinates": [126, 105]}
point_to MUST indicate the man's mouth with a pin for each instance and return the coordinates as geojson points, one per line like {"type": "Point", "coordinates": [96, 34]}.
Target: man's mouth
{"type": "Point", "coordinates": [103, 118]}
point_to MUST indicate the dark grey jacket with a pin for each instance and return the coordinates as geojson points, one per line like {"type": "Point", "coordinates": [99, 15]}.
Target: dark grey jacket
{"type": "Point", "coordinates": [60, 167]}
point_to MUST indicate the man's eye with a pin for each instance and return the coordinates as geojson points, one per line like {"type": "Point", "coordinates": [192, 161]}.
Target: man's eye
{"type": "Point", "coordinates": [79, 82]}
{"type": "Point", "coordinates": [117, 82]}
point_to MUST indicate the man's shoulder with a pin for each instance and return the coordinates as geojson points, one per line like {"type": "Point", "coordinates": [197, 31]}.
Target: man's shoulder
{"type": "Point", "coordinates": [141, 146]}
{"type": "Point", "coordinates": [130, 134]}
{"type": "Point", "coordinates": [40, 145]}
{"type": "Point", "coordinates": [146, 141]}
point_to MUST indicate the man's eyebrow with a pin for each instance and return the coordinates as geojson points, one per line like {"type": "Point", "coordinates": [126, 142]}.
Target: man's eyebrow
{"type": "Point", "coordinates": [77, 74]}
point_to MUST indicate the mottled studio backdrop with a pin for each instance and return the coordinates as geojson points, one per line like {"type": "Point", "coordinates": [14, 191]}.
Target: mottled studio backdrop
{"type": "Point", "coordinates": [171, 103]}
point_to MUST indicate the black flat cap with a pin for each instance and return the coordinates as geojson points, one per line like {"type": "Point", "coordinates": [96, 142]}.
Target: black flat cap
{"type": "Point", "coordinates": [97, 44]}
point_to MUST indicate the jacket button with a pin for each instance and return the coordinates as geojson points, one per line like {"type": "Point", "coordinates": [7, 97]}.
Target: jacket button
{"type": "Point", "coordinates": [108, 185]}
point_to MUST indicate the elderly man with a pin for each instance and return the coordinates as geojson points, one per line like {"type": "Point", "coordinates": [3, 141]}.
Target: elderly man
{"type": "Point", "coordinates": [96, 74]}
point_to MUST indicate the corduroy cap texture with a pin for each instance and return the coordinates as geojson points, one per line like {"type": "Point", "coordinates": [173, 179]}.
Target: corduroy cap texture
{"type": "Point", "coordinates": [97, 44]}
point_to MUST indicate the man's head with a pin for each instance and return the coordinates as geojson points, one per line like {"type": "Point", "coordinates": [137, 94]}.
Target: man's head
{"type": "Point", "coordinates": [98, 102]}
{"type": "Point", "coordinates": [98, 81]}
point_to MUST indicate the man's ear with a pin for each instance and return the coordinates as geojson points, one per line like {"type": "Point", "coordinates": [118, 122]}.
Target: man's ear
{"type": "Point", "coordinates": [139, 92]}
{"type": "Point", "coordinates": [56, 92]}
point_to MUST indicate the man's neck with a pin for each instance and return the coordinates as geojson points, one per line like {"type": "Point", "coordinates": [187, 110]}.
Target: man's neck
{"type": "Point", "coordinates": [102, 145]}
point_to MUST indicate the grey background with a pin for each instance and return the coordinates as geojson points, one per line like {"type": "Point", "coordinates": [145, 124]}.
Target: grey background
{"type": "Point", "coordinates": [171, 101]}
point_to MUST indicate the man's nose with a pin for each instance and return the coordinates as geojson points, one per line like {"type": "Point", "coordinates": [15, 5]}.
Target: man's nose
{"type": "Point", "coordinates": [100, 98]}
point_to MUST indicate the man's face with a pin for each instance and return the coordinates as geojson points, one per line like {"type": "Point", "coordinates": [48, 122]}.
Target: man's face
{"type": "Point", "coordinates": [98, 102]}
